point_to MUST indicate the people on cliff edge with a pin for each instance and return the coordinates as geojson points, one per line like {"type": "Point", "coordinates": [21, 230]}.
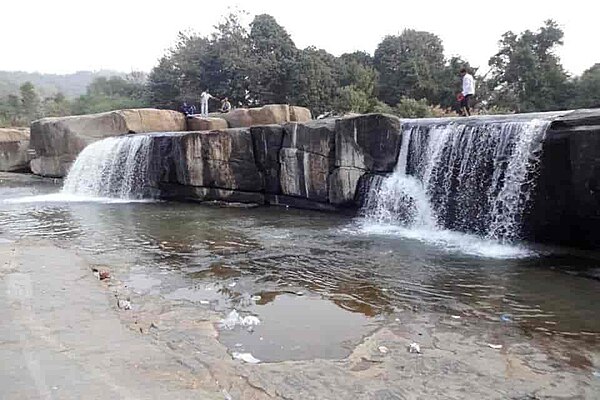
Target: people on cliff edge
{"type": "Point", "coordinates": [188, 109]}
{"type": "Point", "coordinates": [225, 105]}
{"type": "Point", "coordinates": [204, 98]}
{"type": "Point", "coordinates": [468, 90]}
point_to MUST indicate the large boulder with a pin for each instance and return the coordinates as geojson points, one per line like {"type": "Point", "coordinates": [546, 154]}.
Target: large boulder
{"type": "Point", "coordinates": [200, 123]}
{"type": "Point", "coordinates": [267, 141]}
{"type": "Point", "coordinates": [14, 145]}
{"type": "Point", "coordinates": [306, 159]}
{"type": "Point", "coordinates": [265, 115]}
{"type": "Point", "coordinates": [300, 114]}
{"type": "Point", "coordinates": [58, 141]}
{"type": "Point", "coordinates": [368, 142]}
{"type": "Point", "coordinates": [343, 183]}
{"type": "Point", "coordinates": [221, 159]}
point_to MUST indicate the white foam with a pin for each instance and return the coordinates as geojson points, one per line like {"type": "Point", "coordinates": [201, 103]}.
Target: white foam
{"type": "Point", "coordinates": [62, 197]}
{"type": "Point", "coordinates": [449, 241]}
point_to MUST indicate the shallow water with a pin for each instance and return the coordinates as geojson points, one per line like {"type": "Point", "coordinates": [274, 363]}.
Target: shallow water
{"type": "Point", "coordinates": [318, 282]}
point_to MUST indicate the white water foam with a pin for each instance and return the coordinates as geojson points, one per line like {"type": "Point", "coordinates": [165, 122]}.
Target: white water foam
{"type": "Point", "coordinates": [72, 198]}
{"type": "Point", "coordinates": [440, 180]}
{"type": "Point", "coordinates": [111, 171]}
{"type": "Point", "coordinates": [449, 241]}
{"type": "Point", "coordinates": [115, 167]}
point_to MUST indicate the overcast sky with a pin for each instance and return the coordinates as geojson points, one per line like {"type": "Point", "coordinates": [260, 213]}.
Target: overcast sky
{"type": "Point", "coordinates": [61, 36]}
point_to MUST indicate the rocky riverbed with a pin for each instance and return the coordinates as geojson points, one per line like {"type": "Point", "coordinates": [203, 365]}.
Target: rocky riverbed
{"type": "Point", "coordinates": [343, 314]}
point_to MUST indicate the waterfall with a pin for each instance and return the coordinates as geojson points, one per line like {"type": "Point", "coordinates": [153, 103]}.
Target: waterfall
{"type": "Point", "coordinates": [476, 178]}
{"type": "Point", "coordinates": [114, 167]}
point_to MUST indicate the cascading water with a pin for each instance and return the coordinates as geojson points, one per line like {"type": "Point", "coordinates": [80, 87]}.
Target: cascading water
{"type": "Point", "coordinates": [468, 178]}
{"type": "Point", "coordinates": [116, 167]}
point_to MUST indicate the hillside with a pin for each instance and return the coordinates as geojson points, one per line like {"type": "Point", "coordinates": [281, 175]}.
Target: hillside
{"type": "Point", "coordinates": [71, 85]}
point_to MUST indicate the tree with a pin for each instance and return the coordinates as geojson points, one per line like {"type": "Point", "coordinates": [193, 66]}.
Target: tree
{"type": "Point", "coordinates": [587, 89]}
{"type": "Point", "coordinates": [409, 65]}
{"type": "Point", "coordinates": [30, 101]}
{"type": "Point", "coordinates": [274, 57]}
{"type": "Point", "coordinates": [227, 70]}
{"type": "Point", "coordinates": [162, 88]}
{"type": "Point", "coordinates": [526, 74]}
{"type": "Point", "coordinates": [56, 106]}
{"type": "Point", "coordinates": [314, 80]}
{"type": "Point", "coordinates": [351, 99]}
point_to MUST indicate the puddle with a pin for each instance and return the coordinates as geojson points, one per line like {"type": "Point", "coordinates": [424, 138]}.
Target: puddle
{"type": "Point", "coordinates": [141, 283]}
{"type": "Point", "coordinates": [298, 328]}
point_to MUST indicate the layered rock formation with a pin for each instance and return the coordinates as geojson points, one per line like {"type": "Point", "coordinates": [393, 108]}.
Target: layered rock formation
{"type": "Point", "coordinates": [295, 164]}
{"type": "Point", "coordinates": [566, 206]}
{"type": "Point", "coordinates": [58, 141]}
{"type": "Point", "coordinates": [14, 146]}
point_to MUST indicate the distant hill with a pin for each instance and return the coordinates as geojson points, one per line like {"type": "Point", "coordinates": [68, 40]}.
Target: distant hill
{"type": "Point", "coordinates": [71, 85]}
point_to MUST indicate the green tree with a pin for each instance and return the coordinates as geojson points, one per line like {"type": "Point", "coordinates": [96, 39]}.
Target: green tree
{"type": "Point", "coordinates": [228, 67]}
{"type": "Point", "coordinates": [526, 74]}
{"type": "Point", "coordinates": [163, 88]}
{"type": "Point", "coordinates": [409, 65]}
{"type": "Point", "coordinates": [30, 101]}
{"type": "Point", "coordinates": [315, 80]}
{"type": "Point", "coordinates": [56, 106]}
{"type": "Point", "coordinates": [587, 89]}
{"type": "Point", "coordinates": [274, 57]}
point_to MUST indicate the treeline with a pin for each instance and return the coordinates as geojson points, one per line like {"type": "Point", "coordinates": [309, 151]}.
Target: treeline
{"type": "Point", "coordinates": [408, 75]}
{"type": "Point", "coordinates": [103, 94]}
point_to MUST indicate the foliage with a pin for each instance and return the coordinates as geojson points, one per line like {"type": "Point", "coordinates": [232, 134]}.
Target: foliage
{"type": "Point", "coordinates": [526, 74]}
{"type": "Point", "coordinates": [408, 76]}
{"type": "Point", "coordinates": [273, 59]}
{"type": "Point", "coordinates": [411, 108]}
{"type": "Point", "coordinates": [587, 89]}
{"type": "Point", "coordinates": [410, 65]}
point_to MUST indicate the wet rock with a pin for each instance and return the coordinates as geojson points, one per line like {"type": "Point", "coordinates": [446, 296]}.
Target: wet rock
{"type": "Point", "coordinates": [221, 159]}
{"type": "Point", "coordinates": [203, 194]}
{"type": "Point", "coordinates": [267, 141]}
{"type": "Point", "coordinates": [306, 159]}
{"type": "Point", "coordinates": [304, 174]}
{"type": "Point", "coordinates": [317, 137]}
{"type": "Point", "coordinates": [369, 142]}
{"type": "Point", "coordinates": [58, 141]}
{"type": "Point", "coordinates": [343, 183]}
{"type": "Point", "coordinates": [297, 202]}
{"type": "Point", "coordinates": [14, 146]}
{"type": "Point", "coordinates": [566, 205]}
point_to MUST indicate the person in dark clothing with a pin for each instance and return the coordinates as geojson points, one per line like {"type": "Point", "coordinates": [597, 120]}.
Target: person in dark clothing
{"type": "Point", "coordinates": [188, 109]}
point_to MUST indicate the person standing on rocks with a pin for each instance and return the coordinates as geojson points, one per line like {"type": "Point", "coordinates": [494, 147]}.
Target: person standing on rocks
{"type": "Point", "coordinates": [204, 97]}
{"type": "Point", "coordinates": [468, 84]}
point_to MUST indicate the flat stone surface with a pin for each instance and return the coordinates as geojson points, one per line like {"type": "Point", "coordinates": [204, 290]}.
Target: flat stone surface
{"type": "Point", "coordinates": [61, 336]}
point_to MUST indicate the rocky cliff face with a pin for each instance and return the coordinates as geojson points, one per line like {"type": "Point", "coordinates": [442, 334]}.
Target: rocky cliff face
{"type": "Point", "coordinates": [566, 208]}
{"type": "Point", "coordinates": [297, 164]}
{"type": "Point", "coordinates": [58, 141]}
{"type": "Point", "coordinates": [14, 145]}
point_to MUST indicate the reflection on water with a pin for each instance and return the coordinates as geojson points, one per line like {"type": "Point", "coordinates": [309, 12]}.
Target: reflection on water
{"type": "Point", "coordinates": [224, 257]}
{"type": "Point", "coordinates": [318, 329]}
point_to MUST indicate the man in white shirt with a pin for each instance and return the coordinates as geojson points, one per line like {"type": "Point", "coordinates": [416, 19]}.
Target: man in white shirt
{"type": "Point", "coordinates": [204, 97]}
{"type": "Point", "coordinates": [468, 84]}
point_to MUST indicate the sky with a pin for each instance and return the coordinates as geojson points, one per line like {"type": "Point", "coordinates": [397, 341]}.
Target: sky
{"type": "Point", "coordinates": [62, 36]}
